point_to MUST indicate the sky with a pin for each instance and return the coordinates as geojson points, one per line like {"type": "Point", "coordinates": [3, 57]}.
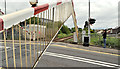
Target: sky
{"type": "Point", "coordinates": [104, 11]}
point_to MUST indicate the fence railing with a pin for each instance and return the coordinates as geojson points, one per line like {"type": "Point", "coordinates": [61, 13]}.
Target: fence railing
{"type": "Point", "coordinates": [26, 34]}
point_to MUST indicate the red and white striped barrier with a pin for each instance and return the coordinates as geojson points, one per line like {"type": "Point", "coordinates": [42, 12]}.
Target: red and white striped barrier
{"type": "Point", "coordinates": [15, 18]}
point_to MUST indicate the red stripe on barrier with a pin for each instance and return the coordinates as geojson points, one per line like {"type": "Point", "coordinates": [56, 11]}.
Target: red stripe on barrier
{"type": "Point", "coordinates": [72, 3]}
{"type": "Point", "coordinates": [74, 13]}
{"type": "Point", "coordinates": [59, 3]}
{"type": "Point", "coordinates": [40, 8]}
{"type": "Point", "coordinates": [1, 25]}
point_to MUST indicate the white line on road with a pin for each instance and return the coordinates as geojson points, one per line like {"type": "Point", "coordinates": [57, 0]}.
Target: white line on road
{"type": "Point", "coordinates": [95, 62]}
{"type": "Point", "coordinates": [4, 47]}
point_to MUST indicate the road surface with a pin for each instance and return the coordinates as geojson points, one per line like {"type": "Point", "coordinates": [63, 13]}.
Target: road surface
{"type": "Point", "coordinates": [59, 55]}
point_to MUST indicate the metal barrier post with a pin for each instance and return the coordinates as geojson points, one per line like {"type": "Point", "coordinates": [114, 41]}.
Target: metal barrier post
{"type": "Point", "coordinates": [13, 47]}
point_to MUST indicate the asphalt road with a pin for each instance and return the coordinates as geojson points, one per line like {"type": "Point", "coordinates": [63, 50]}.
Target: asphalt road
{"type": "Point", "coordinates": [65, 57]}
{"type": "Point", "coordinates": [58, 56]}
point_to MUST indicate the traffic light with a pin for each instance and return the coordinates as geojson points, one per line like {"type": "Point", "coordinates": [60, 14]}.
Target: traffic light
{"type": "Point", "coordinates": [92, 21]}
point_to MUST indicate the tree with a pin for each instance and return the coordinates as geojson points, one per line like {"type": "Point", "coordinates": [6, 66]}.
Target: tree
{"type": "Point", "coordinates": [86, 29]}
{"type": "Point", "coordinates": [69, 29]}
{"type": "Point", "coordinates": [73, 30]}
{"type": "Point", "coordinates": [65, 30]}
{"type": "Point", "coordinates": [92, 30]}
{"type": "Point", "coordinates": [60, 32]}
{"type": "Point", "coordinates": [80, 29]}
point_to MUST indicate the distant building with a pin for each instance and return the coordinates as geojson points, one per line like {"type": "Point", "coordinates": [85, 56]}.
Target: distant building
{"type": "Point", "coordinates": [113, 31]}
{"type": "Point", "coordinates": [100, 31]}
{"type": "Point", "coordinates": [116, 30]}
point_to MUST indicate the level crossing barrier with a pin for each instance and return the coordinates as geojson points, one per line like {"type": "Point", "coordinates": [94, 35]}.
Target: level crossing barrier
{"type": "Point", "coordinates": [32, 30]}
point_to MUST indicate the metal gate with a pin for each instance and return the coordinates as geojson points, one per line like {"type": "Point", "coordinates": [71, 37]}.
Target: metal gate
{"type": "Point", "coordinates": [26, 34]}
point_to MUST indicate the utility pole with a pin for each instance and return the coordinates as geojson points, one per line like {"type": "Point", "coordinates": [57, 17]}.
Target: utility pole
{"type": "Point", "coordinates": [89, 22]}
{"type": "Point", "coordinates": [5, 7]}
{"type": "Point", "coordinates": [89, 8]}
{"type": "Point", "coordinates": [5, 14]}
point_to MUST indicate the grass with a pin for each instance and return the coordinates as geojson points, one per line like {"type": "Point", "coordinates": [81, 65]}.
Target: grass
{"type": "Point", "coordinates": [111, 42]}
{"type": "Point", "coordinates": [62, 35]}
{"type": "Point", "coordinates": [70, 40]}
{"type": "Point", "coordinates": [97, 40]}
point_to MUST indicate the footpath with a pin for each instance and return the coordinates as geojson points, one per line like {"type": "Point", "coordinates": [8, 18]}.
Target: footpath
{"type": "Point", "coordinates": [90, 48]}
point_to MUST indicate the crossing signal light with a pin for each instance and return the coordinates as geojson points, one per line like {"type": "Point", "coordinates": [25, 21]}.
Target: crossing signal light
{"type": "Point", "coordinates": [92, 21]}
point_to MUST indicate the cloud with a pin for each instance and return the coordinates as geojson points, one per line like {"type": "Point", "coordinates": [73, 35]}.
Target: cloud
{"type": "Point", "coordinates": [104, 11]}
{"type": "Point", "coordinates": [13, 6]}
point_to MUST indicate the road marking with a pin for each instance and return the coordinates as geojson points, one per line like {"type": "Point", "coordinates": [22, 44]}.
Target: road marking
{"type": "Point", "coordinates": [85, 50]}
{"type": "Point", "coordinates": [4, 47]}
{"type": "Point", "coordinates": [21, 43]}
{"type": "Point", "coordinates": [2, 68]}
{"type": "Point", "coordinates": [95, 62]}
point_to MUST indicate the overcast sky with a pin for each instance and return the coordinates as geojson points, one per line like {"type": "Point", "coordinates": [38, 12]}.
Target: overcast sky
{"type": "Point", "coordinates": [104, 11]}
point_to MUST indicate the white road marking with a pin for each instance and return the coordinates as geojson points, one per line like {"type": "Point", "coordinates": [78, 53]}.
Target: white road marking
{"type": "Point", "coordinates": [95, 62]}
{"type": "Point", "coordinates": [4, 47]}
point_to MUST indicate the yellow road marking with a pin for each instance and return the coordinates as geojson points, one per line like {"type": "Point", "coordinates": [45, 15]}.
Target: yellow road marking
{"type": "Point", "coordinates": [2, 68]}
{"type": "Point", "coordinates": [74, 48]}
{"type": "Point", "coordinates": [86, 50]}
{"type": "Point", "coordinates": [21, 43]}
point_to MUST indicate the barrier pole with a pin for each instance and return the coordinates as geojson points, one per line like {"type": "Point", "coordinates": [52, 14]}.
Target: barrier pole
{"type": "Point", "coordinates": [30, 42]}
{"type": "Point", "coordinates": [34, 40]}
{"type": "Point", "coordinates": [25, 47]}
{"type": "Point", "coordinates": [37, 33]}
{"type": "Point", "coordinates": [13, 47]}
{"type": "Point", "coordinates": [20, 46]}
{"type": "Point", "coordinates": [43, 31]}
{"type": "Point", "coordinates": [5, 50]}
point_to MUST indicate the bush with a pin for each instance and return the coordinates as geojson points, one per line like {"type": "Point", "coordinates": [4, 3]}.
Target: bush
{"type": "Point", "coordinates": [65, 30]}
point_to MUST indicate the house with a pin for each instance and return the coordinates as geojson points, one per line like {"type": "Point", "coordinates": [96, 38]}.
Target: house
{"type": "Point", "coordinates": [116, 30]}
{"type": "Point", "coordinates": [100, 31]}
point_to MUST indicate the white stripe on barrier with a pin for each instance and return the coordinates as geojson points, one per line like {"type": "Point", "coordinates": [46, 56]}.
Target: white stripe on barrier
{"type": "Point", "coordinates": [51, 5]}
{"type": "Point", "coordinates": [16, 17]}
{"type": "Point", "coordinates": [19, 16]}
{"type": "Point", "coordinates": [65, 1]}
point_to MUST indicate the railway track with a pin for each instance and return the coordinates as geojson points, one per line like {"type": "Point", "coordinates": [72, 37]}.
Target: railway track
{"type": "Point", "coordinates": [62, 39]}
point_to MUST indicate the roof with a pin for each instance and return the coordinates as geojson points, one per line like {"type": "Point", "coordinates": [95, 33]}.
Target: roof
{"type": "Point", "coordinates": [117, 27]}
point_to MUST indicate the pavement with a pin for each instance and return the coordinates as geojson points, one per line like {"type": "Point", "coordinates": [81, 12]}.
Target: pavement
{"type": "Point", "coordinates": [90, 48]}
